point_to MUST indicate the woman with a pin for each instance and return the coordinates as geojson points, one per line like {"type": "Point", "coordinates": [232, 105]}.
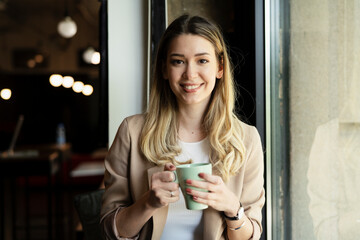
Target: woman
{"type": "Point", "coordinates": [190, 118]}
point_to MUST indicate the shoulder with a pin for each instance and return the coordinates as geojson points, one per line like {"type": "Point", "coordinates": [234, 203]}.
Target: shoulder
{"type": "Point", "coordinates": [250, 134]}
{"type": "Point", "coordinates": [248, 129]}
{"type": "Point", "coordinates": [135, 121]}
{"type": "Point", "coordinates": [131, 126]}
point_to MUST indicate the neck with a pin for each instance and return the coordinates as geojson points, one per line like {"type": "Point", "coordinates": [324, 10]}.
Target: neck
{"type": "Point", "coordinates": [191, 125]}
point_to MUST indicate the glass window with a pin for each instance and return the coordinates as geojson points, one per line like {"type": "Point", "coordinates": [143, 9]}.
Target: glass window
{"type": "Point", "coordinates": [320, 50]}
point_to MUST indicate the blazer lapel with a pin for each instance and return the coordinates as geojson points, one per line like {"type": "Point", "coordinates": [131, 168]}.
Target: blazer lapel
{"type": "Point", "coordinates": [159, 217]}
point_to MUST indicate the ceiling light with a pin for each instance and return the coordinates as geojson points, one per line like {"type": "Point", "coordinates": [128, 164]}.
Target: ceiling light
{"type": "Point", "coordinates": [31, 63]}
{"type": "Point", "coordinates": [56, 80]}
{"type": "Point", "coordinates": [78, 86]}
{"type": "Point", "coordinates": [5, 94]}
{"type": "Point", "coordinates": [68, 81]}
{"type": "Point", "coordinates": [88, 90]}
{"type": "Point", "coordinates": [95, 59]}
{"type": "Point", "coordinates": [67, 27]}
{"type": "Point", "coordinates": [88, 54]}
{"type": "Point", "coordinates": [39, 58]}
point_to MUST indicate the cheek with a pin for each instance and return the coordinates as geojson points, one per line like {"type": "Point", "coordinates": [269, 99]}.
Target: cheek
{"type": "Point", "coordinates": [212, 85]}
{"type": "Point", "coordinates": [174, 73]}
{"type": "Point", "coordinates": [211, 78]}
{"type": "Point", "coordinates": [213, 81]}
{"type": "Point", "coordinates": [173, 84]}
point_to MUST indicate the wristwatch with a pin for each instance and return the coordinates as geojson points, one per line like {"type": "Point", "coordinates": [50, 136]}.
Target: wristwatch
{"type": "Point", "coordinates": [238, 216]}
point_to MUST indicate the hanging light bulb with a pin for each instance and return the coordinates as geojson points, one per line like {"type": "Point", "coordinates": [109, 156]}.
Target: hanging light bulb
{"type": "Point", "coordinates": [56, 80]}
{"type": "Point", "coordinates": [95, 59]}
{"type": "Point", "coordinates": [68, 81]}
{"type": "Point", "coordinates": [78, 86]}
{"type": "Point", "coordinates": [91, 56]}
{"type": "Point", "coordinates": [67, 27]}
{"type": "Point", "coordinates": [5, 94]}
{"type": "Point", "coordinates": [87, 90]}
{"type": "Point", "coordinates": [88, 54]}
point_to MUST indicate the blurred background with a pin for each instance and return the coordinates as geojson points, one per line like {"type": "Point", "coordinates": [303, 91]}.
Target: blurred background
{"type": "Point", "coordinates": [51, 113]}
{"type": "Point", "coordinates": [296, 67]}
{"type": "Point", "coordinates": [39, 38]}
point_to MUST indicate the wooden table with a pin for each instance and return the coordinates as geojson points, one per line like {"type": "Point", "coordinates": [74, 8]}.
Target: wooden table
{"type": "Point", "coordinates": [41, 161]}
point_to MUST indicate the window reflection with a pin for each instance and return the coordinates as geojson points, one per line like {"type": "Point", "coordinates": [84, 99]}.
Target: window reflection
{"type": "Point", "coordinates": [324, 62]}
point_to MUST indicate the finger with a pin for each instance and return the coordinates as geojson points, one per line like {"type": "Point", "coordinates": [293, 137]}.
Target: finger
{"type": "Point", "coordinates": [171, 196]}
{"type": "Point", "coordinates": [158, 179]}
{"type": "Point", "coordinates": [206, 198]}
{"type": "Point", "coordinates": [201, 197]}
{"type": "Point", "coordinates": [169, 167]}
{"type": "Point", "coordinates": [164, 197]}
{"type": "Point", "coordinates": [211, 178]}
{"type": "Point", "coordinates": [205, 201]}
{"type": "Point", "coordinates": [172, 186]}
{"type": "Point", "coordinates": [166, 176]}
{"type": "Point", "coordinates": [175, 193]}
{"type": "Point", "coordinates": [198, 194]}
{"type": "Point", "coordinates": [206, 185]}
{"type": "Point", "coordinates": [198, 184]}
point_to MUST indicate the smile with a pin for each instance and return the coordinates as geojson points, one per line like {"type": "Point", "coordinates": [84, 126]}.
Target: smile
{"type": "Point", "coordinates": [190, 87]}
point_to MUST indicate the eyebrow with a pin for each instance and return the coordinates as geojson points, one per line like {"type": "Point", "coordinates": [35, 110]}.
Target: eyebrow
{"type": "Point", "coordinates": [182, 55]}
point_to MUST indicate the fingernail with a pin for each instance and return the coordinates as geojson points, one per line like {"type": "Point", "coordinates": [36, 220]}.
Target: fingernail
{"type": "Point", "coordinates": [188, 190]}
{"type": "Point", "coordinates": [195, 198]}
{"type": "Point", "coordinates": [188, 181]}
{"type": "Point", "coordinates": [201, 175]}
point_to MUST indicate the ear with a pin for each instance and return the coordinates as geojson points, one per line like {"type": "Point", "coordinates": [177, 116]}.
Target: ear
{"type": "Point", "coordinates": [220, 71]}
{"type": "Point", "coordinates": [164, 71]}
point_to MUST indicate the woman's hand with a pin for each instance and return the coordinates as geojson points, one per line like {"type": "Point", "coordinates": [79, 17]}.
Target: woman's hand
{"type": "Point", "coordinates": [163, 190]}
{"type": "Point", "coordinates": [218, 196]}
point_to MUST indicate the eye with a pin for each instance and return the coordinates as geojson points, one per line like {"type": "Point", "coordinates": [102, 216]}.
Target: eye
{"type": "Point", "coordinates": [203, 61]}
{"type": "Point", "coordinates": [176, 61]}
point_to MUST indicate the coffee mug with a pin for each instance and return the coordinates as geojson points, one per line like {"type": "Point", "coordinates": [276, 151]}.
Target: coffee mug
{"type": "Point", "coordinates": [191, 171]}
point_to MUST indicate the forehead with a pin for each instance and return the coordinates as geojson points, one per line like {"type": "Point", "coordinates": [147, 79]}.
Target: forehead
{"type": "Point", "coordinates": [189, 44]}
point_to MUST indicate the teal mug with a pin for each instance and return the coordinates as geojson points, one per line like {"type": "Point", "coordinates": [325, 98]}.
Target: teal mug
{"type": "Point", "coordinates": [191, 171]}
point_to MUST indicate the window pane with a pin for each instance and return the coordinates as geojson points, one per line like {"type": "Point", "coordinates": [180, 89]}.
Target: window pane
{"type": "Point", "coordinates": [325, 119]}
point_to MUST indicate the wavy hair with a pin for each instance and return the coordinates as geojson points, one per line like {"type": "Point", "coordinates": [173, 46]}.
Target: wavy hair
{"type": "Point", "coordinates": [158, 140]}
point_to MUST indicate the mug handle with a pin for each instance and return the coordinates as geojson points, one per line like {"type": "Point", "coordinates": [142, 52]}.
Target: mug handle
{"type": "Point", "coordinates": [176, 177]}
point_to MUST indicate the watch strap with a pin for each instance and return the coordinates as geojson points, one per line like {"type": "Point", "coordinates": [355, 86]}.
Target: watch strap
{"type": "Point", "coordinates": [238, 216]}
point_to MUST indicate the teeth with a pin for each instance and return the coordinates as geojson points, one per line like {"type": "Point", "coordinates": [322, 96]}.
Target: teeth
{"type": "Point", "coordinates": [191, 86]}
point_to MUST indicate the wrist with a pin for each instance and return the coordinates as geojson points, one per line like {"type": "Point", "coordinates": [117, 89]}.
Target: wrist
{"type": "Point", "coordinates": [235, 214]}
{"type": "Point", "coordinates": [146, 206]}
{"type": "Point", "coordinates": [149, 204]}
{"type": "Point", "coordinates": [233, 211]}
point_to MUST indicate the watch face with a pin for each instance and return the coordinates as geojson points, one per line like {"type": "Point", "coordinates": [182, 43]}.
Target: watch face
{"type": "Point", "coordinates": [240, 213]}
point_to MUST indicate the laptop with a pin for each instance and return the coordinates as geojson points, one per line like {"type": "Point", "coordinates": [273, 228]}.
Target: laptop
{"type": "Point", "coordinates": [10, 153]}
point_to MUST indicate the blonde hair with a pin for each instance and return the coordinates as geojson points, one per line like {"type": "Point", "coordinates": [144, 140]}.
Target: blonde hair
{"type": "Point", "coordinates": [158, 140]}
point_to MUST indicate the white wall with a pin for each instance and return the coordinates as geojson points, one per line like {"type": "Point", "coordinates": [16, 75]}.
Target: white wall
{"type": "Point", "coordinates": [127, 22]}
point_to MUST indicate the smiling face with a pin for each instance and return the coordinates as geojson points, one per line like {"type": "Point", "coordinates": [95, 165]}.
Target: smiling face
{"type": "Point", "coordinates": [191, 68]}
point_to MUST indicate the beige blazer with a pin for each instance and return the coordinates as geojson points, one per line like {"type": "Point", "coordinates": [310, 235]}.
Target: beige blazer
{"type": "Point", "coordinates": [128, 174]}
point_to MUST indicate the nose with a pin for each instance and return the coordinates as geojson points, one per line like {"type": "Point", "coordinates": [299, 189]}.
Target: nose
{"type": "Point", "coordinates": [190, 72]}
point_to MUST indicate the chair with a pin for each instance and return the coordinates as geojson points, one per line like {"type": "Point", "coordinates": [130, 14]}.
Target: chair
{"type": "Point", "coordinates": [88, 207]}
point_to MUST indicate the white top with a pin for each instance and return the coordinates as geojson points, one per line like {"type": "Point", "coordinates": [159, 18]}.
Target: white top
{"type": "Point", "coordinates": [181, 223]}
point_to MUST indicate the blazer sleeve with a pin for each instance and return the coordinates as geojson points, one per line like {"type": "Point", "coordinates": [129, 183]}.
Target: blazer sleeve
{"type": "Point", "coordinates": [253, 193]}
{"type": "Point", "coordinates": [117, 193]}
